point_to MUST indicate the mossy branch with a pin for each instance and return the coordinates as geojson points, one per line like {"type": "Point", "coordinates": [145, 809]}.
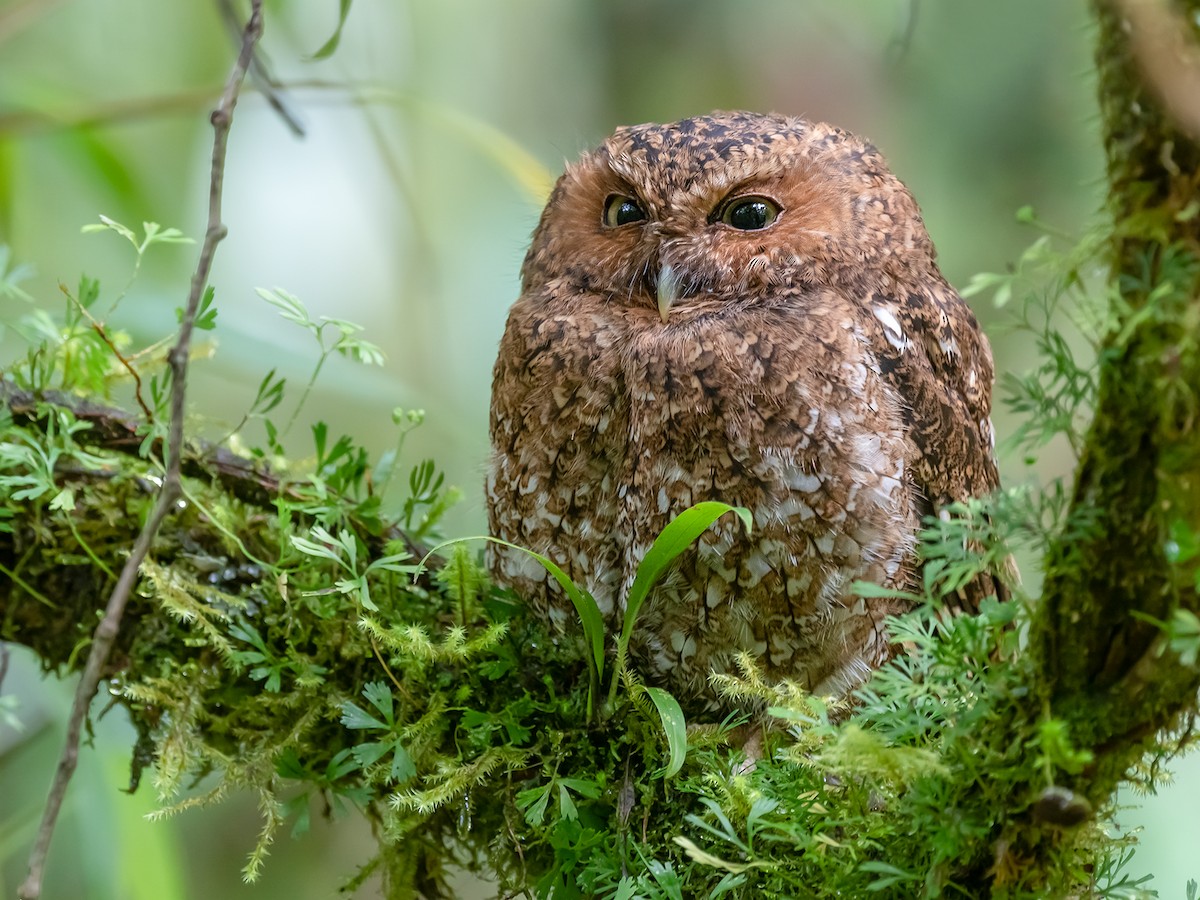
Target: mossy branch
{"type": "Point", "coordinates": [1098, 658]}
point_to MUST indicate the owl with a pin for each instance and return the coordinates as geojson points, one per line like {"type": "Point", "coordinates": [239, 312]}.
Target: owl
{"type": "Point", "coordinates": [744, 308]}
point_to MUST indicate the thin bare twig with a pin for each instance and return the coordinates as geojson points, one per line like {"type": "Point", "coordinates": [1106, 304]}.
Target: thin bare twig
{"type": "Point", "coordinates": [899, 46]}
{"type": "Point", "coordinates": [260, 74]}
{"type": "Point", "coordinates": [98, 327]}
{"type": "Point", "coordinates": [106, 631]}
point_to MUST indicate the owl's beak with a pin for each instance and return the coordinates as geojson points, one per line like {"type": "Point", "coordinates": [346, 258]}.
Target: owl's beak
{"type": "Point", "coordinates": [668, 290]}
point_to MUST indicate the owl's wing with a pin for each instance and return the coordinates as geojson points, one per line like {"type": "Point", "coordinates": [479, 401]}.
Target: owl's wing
{"type": "Point", "coordinates": [931, 347]}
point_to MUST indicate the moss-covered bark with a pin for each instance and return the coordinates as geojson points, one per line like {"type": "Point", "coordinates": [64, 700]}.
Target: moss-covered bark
{"type": "Point", "coordinates": [1099, 665]}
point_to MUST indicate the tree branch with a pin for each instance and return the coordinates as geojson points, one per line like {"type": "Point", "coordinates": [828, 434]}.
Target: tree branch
{"type": "Point", "coordinates": [1102, 666]}
{"type": "Point", "coordinates": [109, 627]}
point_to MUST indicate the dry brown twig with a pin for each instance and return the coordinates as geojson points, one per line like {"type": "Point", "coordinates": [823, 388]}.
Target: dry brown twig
{"type": "Point", "coordinates": [106, 631]}
{"type": "Point", "coordinates": [98, 327]}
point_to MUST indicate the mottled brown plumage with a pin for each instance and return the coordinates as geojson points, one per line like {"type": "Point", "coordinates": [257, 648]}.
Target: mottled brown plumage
{"type": "Point", "coordinates": [744, 308]}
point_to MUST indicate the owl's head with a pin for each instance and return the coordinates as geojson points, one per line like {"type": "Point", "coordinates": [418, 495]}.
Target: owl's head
{"type": "Point", "coordinates": [721, 207]}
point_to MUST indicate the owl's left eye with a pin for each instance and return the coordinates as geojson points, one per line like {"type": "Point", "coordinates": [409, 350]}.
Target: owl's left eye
{"type": "Point", "coordinates": [622, 210]}
{"type": "Point", "coordinates": [748, 213]}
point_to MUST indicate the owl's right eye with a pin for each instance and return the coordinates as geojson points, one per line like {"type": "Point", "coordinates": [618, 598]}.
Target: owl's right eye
{"type": "Point", "coordinates": [621, 210]}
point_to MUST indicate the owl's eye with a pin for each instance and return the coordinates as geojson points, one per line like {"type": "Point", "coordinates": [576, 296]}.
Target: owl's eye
{"type": "Point", "coordinates": [622, 210]}
{"type": "Point", "coordinates": [749, 213]}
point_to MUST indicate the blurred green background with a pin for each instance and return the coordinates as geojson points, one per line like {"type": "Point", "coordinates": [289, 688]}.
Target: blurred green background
{"type": "Point", "coordinates": [407, 207]}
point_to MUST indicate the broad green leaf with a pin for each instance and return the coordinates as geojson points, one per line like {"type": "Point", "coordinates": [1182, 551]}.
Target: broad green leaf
{"type": "Point", "coordinates": [674, 726]}
{"type": "Point", "coordinates": [679, 534]}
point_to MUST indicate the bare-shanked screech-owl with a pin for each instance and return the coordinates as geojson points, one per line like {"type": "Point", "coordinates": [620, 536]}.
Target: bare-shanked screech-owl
{"type": "Point", "coordinates": [744, 308]}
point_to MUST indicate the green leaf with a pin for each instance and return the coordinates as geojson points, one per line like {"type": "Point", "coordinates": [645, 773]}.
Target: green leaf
{"type": "Point", "coordinates": [89, 291]}
{"type": "Point", "coordinates": [869, 590]}
{"type": "Point", "coordinates": [107, 224]}
{"type": "Point", "coordinates": [679, 534]}
{"type": "Point", "coordinates": [674, 727]}
{"type": "Point", "coordinates": [64, 500]}
{"type": "Point", "coordinates": [354, 716]}
{"type": "Point", "coordinates": [288, 765]}
{"type": "Point", "coordinates": [330, 46]}
{"type": "Point", "coordinates": [727, 884]}
{"type": "Point", "coordinates": [370, 753]}
{"type": "Point", "coordinates": [289, 306]}
{"type": "Point", "coordinates": [995, 612]}
{"type": "Point", "coordinates": [584, 787]}
{"type": "Point", "coordinates": [244, 631]}
{"type": "Point", "coordinates": [566, 806]}
{"type": "Point", "coordinates": [342, 763]}
{"type": "Point", "coordinates": [890, 875]}
{"type": "Point", "coordinates": [322, 548]}
{"type": "Point", "coordinates": [156, 234]}
{"type": "Point", "coordinates": [206, 313]}
{"type": "Point", "coordinates": [379, 695]}
{"type": "Point", "coordinates": [403, 767]}
{"type": "Point", "coordinates": [273, 675]}
{"type": "Point", "coordinates": [270, 393]}
{"type": "Point", "coordinates": [533, 803]}
{"type": "Point", "coordinates": [358, 349]}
